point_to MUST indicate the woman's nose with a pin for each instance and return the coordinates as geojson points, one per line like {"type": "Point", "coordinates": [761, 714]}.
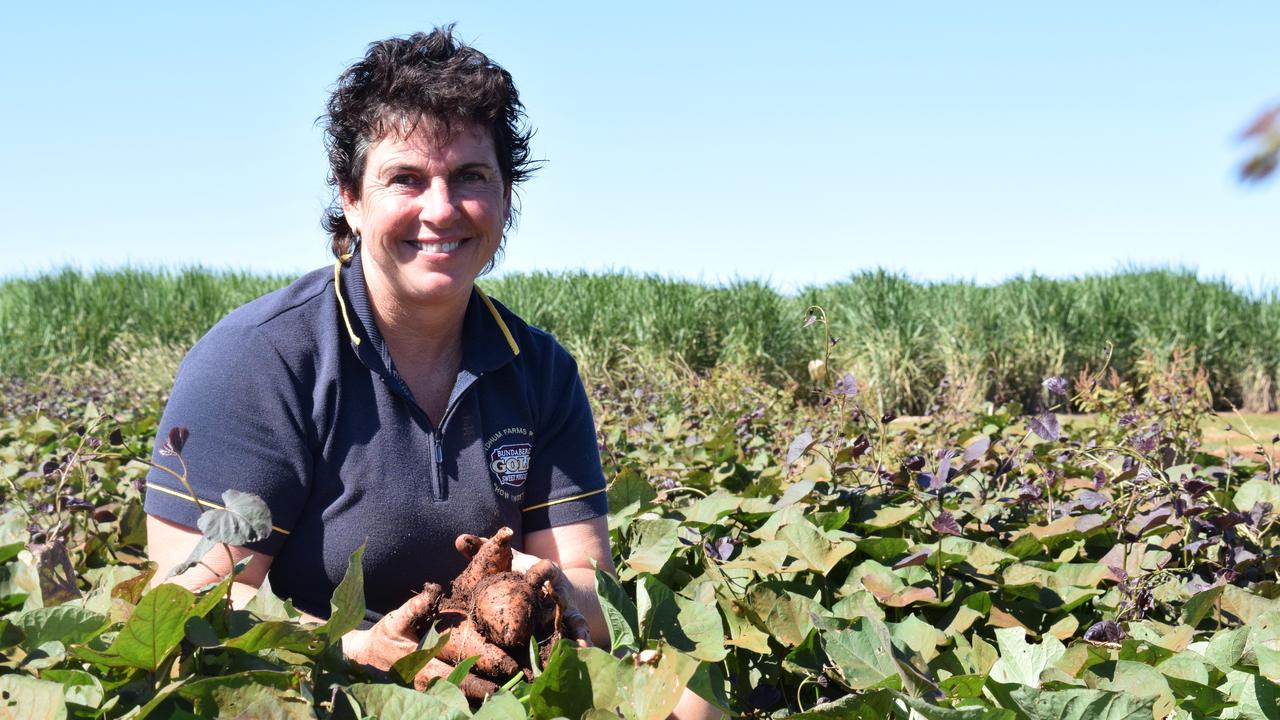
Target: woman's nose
{"type": "Point", "coordinates": [438, 206]}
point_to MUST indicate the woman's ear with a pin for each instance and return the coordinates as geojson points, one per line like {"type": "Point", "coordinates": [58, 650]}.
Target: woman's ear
{"type": "Point", "coordinates": [351, 209]}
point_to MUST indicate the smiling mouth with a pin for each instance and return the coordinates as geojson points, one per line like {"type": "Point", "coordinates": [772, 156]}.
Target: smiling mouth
{"type": "Point", "coordinates": [446, 247]}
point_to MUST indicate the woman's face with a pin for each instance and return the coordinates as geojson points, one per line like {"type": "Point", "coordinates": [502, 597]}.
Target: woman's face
{"type": "Point", "coordinates": [430, 214]}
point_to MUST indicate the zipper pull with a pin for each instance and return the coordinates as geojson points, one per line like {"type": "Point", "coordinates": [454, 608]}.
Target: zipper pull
{"type": "Point", "coordinates": [439, 453]}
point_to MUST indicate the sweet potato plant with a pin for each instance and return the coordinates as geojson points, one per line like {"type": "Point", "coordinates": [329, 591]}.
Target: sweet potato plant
{"type": "Point", "coordinates": [781, 551]}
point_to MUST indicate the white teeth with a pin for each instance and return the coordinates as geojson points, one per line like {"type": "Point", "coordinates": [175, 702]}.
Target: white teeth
{"type": "Point", "coordinates": [438, 247]}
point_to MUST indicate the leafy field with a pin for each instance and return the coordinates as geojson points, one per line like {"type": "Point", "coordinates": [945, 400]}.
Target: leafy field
{"type": "Point", "coordinates": [784, 551]}
{"type": "Point", "coordinates": [914, 345]}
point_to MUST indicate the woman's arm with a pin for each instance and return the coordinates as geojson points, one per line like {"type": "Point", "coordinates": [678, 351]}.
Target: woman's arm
{"type": "Point", "coordinates": [169, 544]}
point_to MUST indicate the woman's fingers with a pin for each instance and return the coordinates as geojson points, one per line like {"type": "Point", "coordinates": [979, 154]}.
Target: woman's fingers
{"type": "Point", "coordinates": [401, 620]}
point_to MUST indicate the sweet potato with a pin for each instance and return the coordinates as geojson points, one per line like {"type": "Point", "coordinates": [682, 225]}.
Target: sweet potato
{"type": "Point", "coordinates": [491, 613]}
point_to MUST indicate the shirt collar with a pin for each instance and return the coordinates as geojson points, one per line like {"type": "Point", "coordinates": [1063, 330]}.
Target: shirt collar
{"type": "Point", "coordinates": [487, 343]}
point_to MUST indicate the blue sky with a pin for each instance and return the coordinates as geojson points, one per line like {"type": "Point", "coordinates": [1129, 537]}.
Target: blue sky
{"type": "Point", "coordinates": [792, 142]}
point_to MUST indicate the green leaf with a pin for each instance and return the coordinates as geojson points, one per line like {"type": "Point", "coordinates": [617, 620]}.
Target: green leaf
{"type": "Point", "coordinates": [1021, 662]}
{"type": "Point", "coordinates": [260, 702]}
{"type": "Point", "coordinates": [346, 607]}
{"type": "Point", "coordinates": [574, 681]}
{"type": "Point", "coordinates": [155, 628]}
{"type": "Point", "coordinates": [708, 682]}
{"type": "Point", "coordinates": [78, 686]}
{"type": "Point", "coordinates": [1246, 606]}
{"type": "Point", "coordinates": [407, 667]}
{"type": "Point", "coordinates": [201, 691]}
{"type": "Point", "coordinates": [1199, 605]}
{"type": "Point", "coordinates": [652, 542]}
{"type": "Point", "coordinates": [871, 706]}
{"type": "Point", "coordinates": [630, 487]}
{"type": "Point", "coordinates": [620, 614]}
{"type": "Point", "coordinates": [918, 635]}
{"type": "Point", "coordinates": [691, 626]}
{"type": "Point", "coordinates": [244, 519]}
{"type": "Point", "coordinates": [278, 634]}
{"type": "Point", "coordinates": [1081, 704]}
{"type": "Point", "coordinates": [393, 701]}
{"type": "Point", "coordinates": [654, 688]}
{"type": "Point", "coordinates": [501, 706]}
{"type": "Point", "coordinates": [1268, 662]}
{"type": "Point", "coordinates": [460, 670]}
{"type": "Point", "coordinates": [1257, 697]}
{"type": "Point", "coordinates": [1227, 647]}
{"type": "Point", "coordinates": [67, 624]}
{"type": "Point", "coordinates": [202, 548]}
{"type": "Point", "coordinates": [891, 515]}
{"type": "Point", "coordinates": [1198, 697]}
{"type": "Point", "coordinates": [650, 595]}
{"type": "Point", "coordinates": [863, 655]}
{"type": "Point", "coordinates": [26, 698]}
{"type": "Point", "coordinates": [812, 549]}
{"type": "Point", "coordinates": [1255, 491]}
{"type": "Point", "coordinates": [786, 615]}
{"type": "Point", "coordinates": [925, 711]}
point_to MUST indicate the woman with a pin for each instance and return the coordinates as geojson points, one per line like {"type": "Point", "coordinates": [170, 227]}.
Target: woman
{"type": "Point", "coordinates": [387, 401]}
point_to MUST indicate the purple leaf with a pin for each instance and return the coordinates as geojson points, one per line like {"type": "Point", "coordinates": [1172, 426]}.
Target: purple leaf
{"type": "Point", "coordinates": [914, 463]}
{"type": "Point", "coordinates": [1197, 487]}
{"type": "Point", "coordinates": [1226, 520]}
{"type": "Point", "coordinates": [860, 446]}
{"type": "Point", "coordinates": [977, 449]}
{"type": "Point", "coordinates": [1091, 500]}
{"type": "Point", "coordinates": [1057, 385]}
{"type": "Point", "coordinates": [915, 558]}
{"type": "Point", "coordinates": [1107, 631]}
{"type": "Point", "coordinates": [721, 549]}
{"type": "Point", "coordinates": [810, 319]}
{"type": "Point", "coordinates": [846, 386]}
{"type": "Point", "coordinates": [945, 524]}
{"type": "Point", "coordinates": [177, 440]}
{"type": "Point", "coordinates": [799, 447]}
{"type": "Point", "coordinates": [116, 437]}
{"type": "Point", "coordinates": [929, 483]}
{"type": "Point", "coordinates": [1085, 523]}
{"type": "Point", "coordinates": [944, 465]}
{"type": "Point", "coordinates": [1046, 426]}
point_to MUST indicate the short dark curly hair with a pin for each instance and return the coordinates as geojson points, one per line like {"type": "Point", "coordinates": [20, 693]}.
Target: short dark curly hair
{"type": "Point", "coordinates": [401, 81]}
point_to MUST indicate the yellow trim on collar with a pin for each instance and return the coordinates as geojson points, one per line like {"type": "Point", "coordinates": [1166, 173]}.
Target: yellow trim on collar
{"type": "Point", "coordinates": [342, 306]}
{"type": "Point", "coordinates": [205, 503]}
{"type": "Point", "coordinates": [515, 349]}
{"type": "Point", "coordinates": [564, 500]}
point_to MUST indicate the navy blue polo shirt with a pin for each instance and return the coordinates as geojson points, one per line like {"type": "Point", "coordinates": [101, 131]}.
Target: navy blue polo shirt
{"type": "Point", "coordinates": [282, 402]}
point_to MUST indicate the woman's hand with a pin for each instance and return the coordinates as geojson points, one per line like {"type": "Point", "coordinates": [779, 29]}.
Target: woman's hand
{"type": "Point", "coordinates": [575, 623]}
{"type": "Point", "coordinates": [392, 637]}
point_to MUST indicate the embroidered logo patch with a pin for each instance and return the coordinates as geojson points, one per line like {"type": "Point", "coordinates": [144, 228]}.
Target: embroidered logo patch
{"type": "Point", "coordinates": [509, 452]}
{"type": "Point", "coordinates": [510, 463]}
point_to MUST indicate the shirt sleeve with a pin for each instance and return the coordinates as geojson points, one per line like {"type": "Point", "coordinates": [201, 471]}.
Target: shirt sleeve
{"type": "Point", "coordinates": [241, 406]}
{"type": "Point", "coordinates": [566, 482]}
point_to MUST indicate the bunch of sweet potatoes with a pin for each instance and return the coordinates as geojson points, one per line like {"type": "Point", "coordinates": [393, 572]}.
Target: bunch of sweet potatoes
{"type": "Point", "coordinates": [491, 613]}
